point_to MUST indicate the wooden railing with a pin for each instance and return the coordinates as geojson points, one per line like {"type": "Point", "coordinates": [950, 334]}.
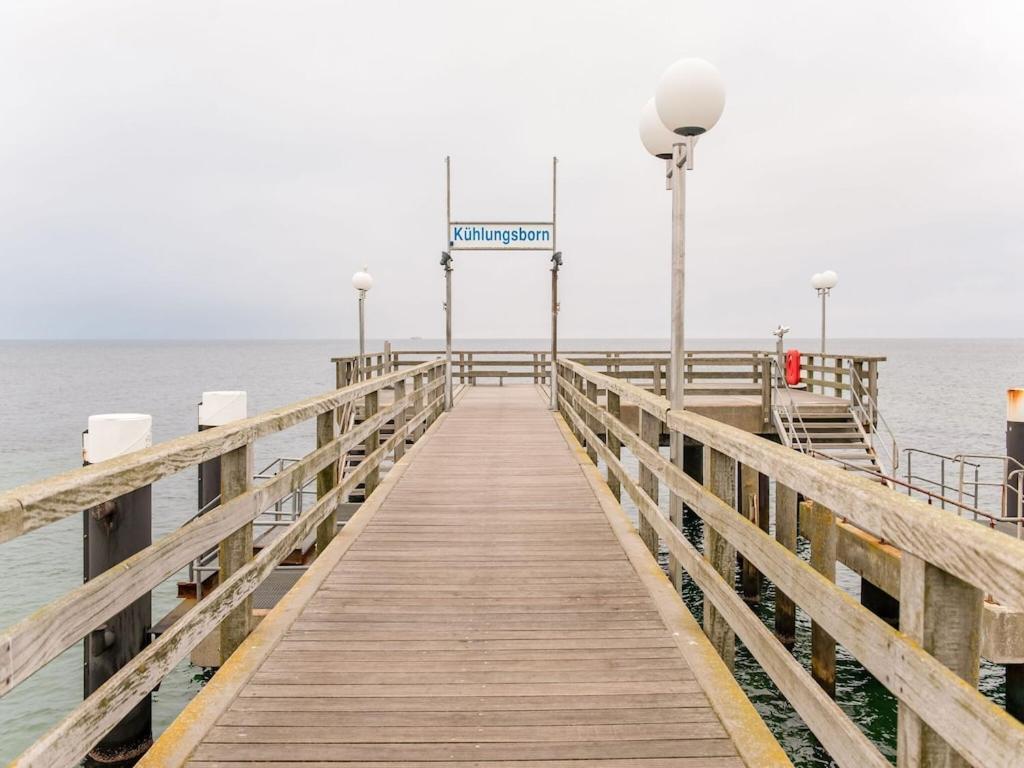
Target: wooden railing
{"type": "Point", "coordinates": [32, 642]}
{"type": "Point", "coordinates": [948, 567]}
{"type": "Point", "coordinates": [707, 372]}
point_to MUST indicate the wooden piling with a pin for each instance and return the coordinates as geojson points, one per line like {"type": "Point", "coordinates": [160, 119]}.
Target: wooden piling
{"type": "Point", "coordinates": [592, 422]}
{"type": "Point", "coordinates": [372, 442]}
{"type": "Point", "coordinates": [720, 479]}
{"type": "Point", "coordinates": [400, 418]}
{"type": "Point", "coordinates": [236, 549]}
{"type": "Point", "coordinates": [786, 510]}
{"type": "Point", "coordinates": [325, 481]}
{"type": "Point", "coordinates": [614, 445]}
{"type": "Point", "coordinates": [749, 504]}
{"type": "Point", "coordinates": [650, 433]}
{"type": "Point", "coordinates": [824, 538]}
{"type": "Point", "coordinates": [943, 614]}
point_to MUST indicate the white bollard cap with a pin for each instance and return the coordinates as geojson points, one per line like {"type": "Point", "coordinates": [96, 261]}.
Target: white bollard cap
{"type": "Point", "coordinates": [219, 408]}
{"type": "Point", "coordinates": [1015, 404]}
{"type": "Point", "coordinates": [115, 434]}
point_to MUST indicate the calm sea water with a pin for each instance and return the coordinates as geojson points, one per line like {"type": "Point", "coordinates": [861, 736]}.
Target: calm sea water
{"type": "Point", "coordinates": [943, 395]}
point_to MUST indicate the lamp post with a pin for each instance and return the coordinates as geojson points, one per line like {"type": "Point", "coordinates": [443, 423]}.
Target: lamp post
{"type": "Point", "coordinates": [362, 282]}
{"type": "Point", "coordinates": [687, 103]}
{"type": "Point", "coordinates": [823, 283]}
{"type": "Point", "coordinates": [556, 262]}
{"type": "Point", "coordinates": [446, 265]}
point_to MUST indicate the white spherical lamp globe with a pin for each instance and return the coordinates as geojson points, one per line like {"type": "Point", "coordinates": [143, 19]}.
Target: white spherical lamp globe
{"type": "Point", "coordinates": [656, 138]}
{"type": "Point", "coordinates": [829, 279]}
{"type": "Point", "coordinates": [362, 281]}
{"type": "Point", "coordinates": [690, 97]}
{"type": "Point", "coordinates": [816, 281]}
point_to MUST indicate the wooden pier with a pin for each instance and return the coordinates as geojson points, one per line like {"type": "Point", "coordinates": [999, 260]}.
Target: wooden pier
{"type": "Point", "coordinates": [490, 604]}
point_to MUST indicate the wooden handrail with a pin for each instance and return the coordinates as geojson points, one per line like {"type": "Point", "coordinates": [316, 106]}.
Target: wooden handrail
{"type": "Point", "coordinates": [932, 693]}
{"type": "Point", "coordinates": [32, 642]}
{"type": "Point", "coordinates": [31, 506]}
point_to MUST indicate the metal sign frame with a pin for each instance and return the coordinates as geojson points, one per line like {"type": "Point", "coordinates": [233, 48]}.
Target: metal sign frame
{"type": "Point", "coordinates": [446, 263]}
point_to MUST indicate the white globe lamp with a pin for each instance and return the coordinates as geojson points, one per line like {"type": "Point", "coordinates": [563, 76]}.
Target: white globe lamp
{"type": "Point", "coordinates": [690, 97]}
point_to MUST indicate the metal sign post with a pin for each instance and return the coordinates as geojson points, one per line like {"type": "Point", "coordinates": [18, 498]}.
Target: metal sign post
{"type": "Point", "coordinates": [500, 236]}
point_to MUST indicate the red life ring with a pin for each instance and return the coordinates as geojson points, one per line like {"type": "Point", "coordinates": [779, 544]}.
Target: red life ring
{"type": "Point", "coordinates": [792, 367]}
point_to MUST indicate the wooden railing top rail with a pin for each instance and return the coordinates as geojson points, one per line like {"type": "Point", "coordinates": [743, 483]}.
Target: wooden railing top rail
{"type": "Point", "coordinates": [38, 638]}
{"type": "Point", "coordinates": [910, 663]}
{"type": "Point", "coordinates": [40, 503]}
{"type": "Point", "coordinates": [990, 560]}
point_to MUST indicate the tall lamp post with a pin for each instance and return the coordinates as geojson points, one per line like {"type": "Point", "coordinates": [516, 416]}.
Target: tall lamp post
{"type": "Point", "coordinates": [556, 262]}
{"type": "Point", "coordinates": [362, 282]}
{"type": "Point", "coordinates": [687, 103]}
{"type": "Point", "coordinates": [823, 283]}
{"type": "Point", "coordinates": [446, 265]}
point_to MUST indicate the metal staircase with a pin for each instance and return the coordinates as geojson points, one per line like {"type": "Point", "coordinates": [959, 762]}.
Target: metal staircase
{"type": "Point", "coordinates": [851, 433]}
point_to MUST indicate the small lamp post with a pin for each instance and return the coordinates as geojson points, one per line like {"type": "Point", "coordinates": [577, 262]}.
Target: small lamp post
{"type": "Point", "coordinates": [823, 283]}
{"type": "Point", "coordinates": [362, 282]}
{"type": "Point", "coordinates": [687, 103]}
{"type": "Point", "coordinates": [556, 263]}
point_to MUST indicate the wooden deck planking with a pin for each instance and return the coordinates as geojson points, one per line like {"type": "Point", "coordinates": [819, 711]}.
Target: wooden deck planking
{"type": "Point", "coordinates": [488, 615]}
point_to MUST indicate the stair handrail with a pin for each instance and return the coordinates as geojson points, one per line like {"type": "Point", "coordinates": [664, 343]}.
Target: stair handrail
{"type": "Point", "coordinates": [871, 417]}
{"type": "Point", "coordinates": [786, 416]}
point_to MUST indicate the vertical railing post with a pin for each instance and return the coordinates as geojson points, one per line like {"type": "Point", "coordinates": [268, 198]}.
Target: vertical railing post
{"type": "Point", "coordinates": [419, 402]}
{"type": "Point", "coordinates": [720, 480]}
{"type": "Point", "coordinates": [786, 512]}
{"type": "Point", "coordinates": [824, 539]}
{"type": "Point", "coordinates": [371, 403]}
{"type": "Point", "coordinates": [614, 444]}
{"type": "Point", "coordinates": [943, 614]}
{"type": "Point", "coordinates": [469, 360]}
{"type": "Point", "coordinates": [114, 531]}
{"type": "Point", "coordinates": [838, 376]}
{"type": "Point", "coordinates": [326, 479]}
{"type": "Point", "coordinates": [235, 549]}
{"type": "Point", "coordinates": [387, 359]}
{"type": "Point", "coordinates": [400, 419]}
{"type": "Point", "coordinates": [766, 393]}
{"type": "Point", "coordinates": [749, 506]}
{"type": "Point", "coordinates": [592, 421]}
{"type": "Point", "coordinates": [650, 433]}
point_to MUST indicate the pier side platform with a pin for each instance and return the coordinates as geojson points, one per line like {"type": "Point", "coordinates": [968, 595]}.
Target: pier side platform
{"type": "Point", "coordinates": [489, 604]}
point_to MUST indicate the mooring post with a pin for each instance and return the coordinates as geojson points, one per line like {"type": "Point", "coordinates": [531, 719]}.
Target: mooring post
{"type": "Point", "coordinates": [824, 536]}
{"type": "Point", "coordinates": [650, 433]}
{"type": "Point", "coordinates": [114, 531]}
{"type": "Point", "coordinates": [1015, 509]}
{"type": "Point", "coordinates": [235, 549]}
{"type": "Point", "coordinates": [326, 479]}
{"type": "Point", "coordinates": [786, 510]}
{"type": "Point", "coordinates": [720, 479]}
{"type": "Point", "coordinates": [215, 410]}
{"type": "Point", "coordinates": [614, 444]}
{"type": "Point", "coordinates": [943, 614]}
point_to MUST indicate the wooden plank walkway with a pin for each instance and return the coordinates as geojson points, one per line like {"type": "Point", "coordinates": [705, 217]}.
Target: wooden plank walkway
{"type": "Point", "coordinates": [487, 612]}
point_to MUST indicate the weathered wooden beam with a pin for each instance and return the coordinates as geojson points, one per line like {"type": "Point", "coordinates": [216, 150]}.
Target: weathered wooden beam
{"type": "Point", "coordinates": [786, 500]}
{"type": "Point", "coordinates": [943, 614]}
{"type": "Point", "coordinates": [235, 551]}
{"type": "Point", "coordinates": [614, 445]}
{"type": "Point", "coordinates": [720, 480]}
{"type": "Point", "coordinates": [650, 433]}
{"type": "Point", "coordinates": [370, 405]}
{"type": "Point", "coordinates": [823, 536]}
{"type": "Point", "coordinates": [748, 504]}
{"type": "Point", "coordinates": [325, 481]}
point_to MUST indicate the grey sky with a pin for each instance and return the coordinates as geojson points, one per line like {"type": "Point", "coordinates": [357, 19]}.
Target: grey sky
{"type": "Point", "coordinates": [220, 169]}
